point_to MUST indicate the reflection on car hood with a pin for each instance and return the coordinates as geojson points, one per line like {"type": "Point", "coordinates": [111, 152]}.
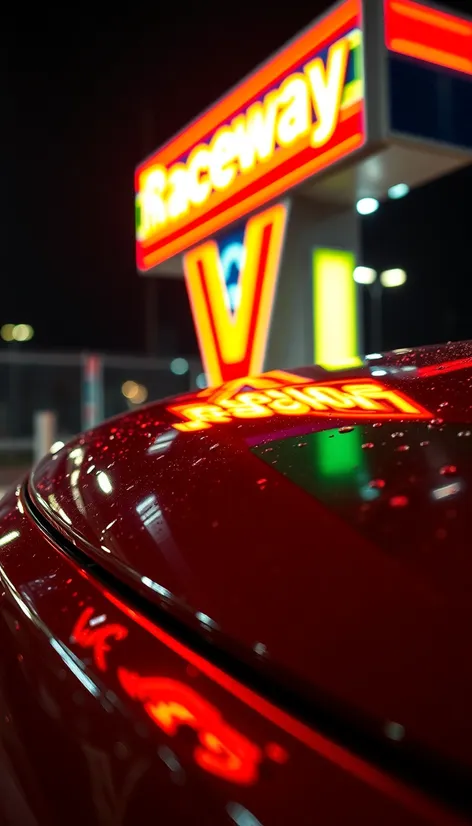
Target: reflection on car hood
{"type": "Point", "coordinates": [317, 521]}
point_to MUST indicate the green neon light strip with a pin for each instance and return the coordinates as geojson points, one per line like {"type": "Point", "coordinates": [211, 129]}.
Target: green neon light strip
{"type": "Point", "coordinates": [354, 90]}
{"type": "Point", "coordinates": [335, 312]}
{"type": "Point", "coordinates": [137, 213]}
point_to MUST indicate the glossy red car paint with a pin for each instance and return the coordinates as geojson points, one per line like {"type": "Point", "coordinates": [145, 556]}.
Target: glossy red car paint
{"type": "Point", "coordinates": [197, 628]}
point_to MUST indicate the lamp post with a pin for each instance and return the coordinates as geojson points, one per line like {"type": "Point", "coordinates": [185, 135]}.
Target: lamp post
{"type": "Point", "coordinates": [376, 284]}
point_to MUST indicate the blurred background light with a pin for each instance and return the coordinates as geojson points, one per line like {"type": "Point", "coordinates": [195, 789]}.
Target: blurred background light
{"type": "Point", "coordinates": [364, 275]}
{"type": "Point", "coordinates": [366, 206]}
{"type": "Point", "coordinates": [179, 366]}
{"type": "Point", "coordinates": [134, 392]}
{"type": "Point", "coordinates": [392, 278]}
{"type": "Point", "coordinates": [398, 191]}
{"type": "Point", "coordinates": [16, 332]}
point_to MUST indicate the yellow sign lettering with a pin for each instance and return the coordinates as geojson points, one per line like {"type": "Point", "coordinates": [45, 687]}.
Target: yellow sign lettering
{"type": "Point", "coordinates": [222, 166]}
{"type": "Point", "coordinates": [153, 204]}
{"type": "Point", "coordinates": [295, 118]}
{"type": "Point", "coordinates": [178, 195]}
{"type": "Point", "coordinates": [199, 185]}
{"type": "Point", "coordinates": [327, 86]}
{"type": "Point", "coordinates": [304, 109]}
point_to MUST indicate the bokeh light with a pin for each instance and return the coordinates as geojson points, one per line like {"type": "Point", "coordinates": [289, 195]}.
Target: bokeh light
{"type": "Point", "coordinates": [23, 332]}
{"type": "Point", "coordinates": [7, 332]}
{"type": "Point", "coordinates": [179, 366]}
{"type": "Point", "coordinates": [393, 278]}
{"type": "Point", "coordinates": [364, 275]}
{"type": "Point", "coordinates": [134, 392]}
{"type": "Point", "coordinates": [366, 206]}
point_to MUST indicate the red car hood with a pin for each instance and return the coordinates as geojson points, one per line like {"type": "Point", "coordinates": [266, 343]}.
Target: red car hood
{"type": "Point", "coordinates": [328, 548]}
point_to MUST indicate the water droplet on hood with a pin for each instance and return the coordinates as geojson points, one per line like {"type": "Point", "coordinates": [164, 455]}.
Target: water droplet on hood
{"type": "Point", "coordinates": [394, 731]}
{"type": "Point", "coordinates": [448, 470]}
{"type": "Point", "coordinates": [398, 501]}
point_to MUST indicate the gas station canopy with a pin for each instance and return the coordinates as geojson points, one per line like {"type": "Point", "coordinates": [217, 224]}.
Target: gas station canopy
{"type": "Point", "coordinates": [371, 95]}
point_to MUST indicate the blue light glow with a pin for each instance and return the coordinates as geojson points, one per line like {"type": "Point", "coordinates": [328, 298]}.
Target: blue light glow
{"type": "Point", "coordinates": [232, 262]}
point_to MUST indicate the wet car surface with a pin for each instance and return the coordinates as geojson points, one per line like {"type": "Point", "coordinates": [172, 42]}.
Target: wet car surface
{"type": "Point", "coordinates": [249, 602]}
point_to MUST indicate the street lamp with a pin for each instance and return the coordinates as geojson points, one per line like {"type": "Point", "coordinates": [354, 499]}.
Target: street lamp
{"type": "Point", "coordinates": [376, 284]}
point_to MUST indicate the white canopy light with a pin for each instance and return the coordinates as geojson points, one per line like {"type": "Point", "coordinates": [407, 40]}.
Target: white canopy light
{"type": "Point", "coordinates": [366, 206]}
{"type": "Point", "coordinates": [392, 278]}
{"type": "Point", "coordinates": [398, 191]}
{"type": "Point", "coordinates": [364, 275]}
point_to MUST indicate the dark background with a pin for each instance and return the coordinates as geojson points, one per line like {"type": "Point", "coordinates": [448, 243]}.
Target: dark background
{"type": "Point", "coordinates": [86, 96]}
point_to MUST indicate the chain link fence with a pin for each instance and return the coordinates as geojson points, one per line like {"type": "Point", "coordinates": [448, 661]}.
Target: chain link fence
{"type": "Point", "coordinates": [63, 383]}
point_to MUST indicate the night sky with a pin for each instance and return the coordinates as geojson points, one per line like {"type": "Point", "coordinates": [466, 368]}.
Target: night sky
{"type": "Point", "coordinates": [86, 98]}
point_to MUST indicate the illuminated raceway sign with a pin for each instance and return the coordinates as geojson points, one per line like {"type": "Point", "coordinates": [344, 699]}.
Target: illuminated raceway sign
{"type": "Point", "coordinates": [354, 399]}
{"type": "Point", "coordinates": [299, 113]}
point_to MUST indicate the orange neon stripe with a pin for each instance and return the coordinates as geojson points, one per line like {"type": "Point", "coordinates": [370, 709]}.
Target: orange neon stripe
{"type": "Point", "coordinates": [256, 200]}
{"type": "Point", "coordinates": [254, 84]}
{"type": "Point", "coordinates": [444, 367]}
{"type": "Point", "coordinates": [432, 16]}
{"type": "Point", "coordinates": [426, 34]}
{"type": "Point", "coordinates": [429, 55]}
{"type": "Point", "coordinates": [236, 345]}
